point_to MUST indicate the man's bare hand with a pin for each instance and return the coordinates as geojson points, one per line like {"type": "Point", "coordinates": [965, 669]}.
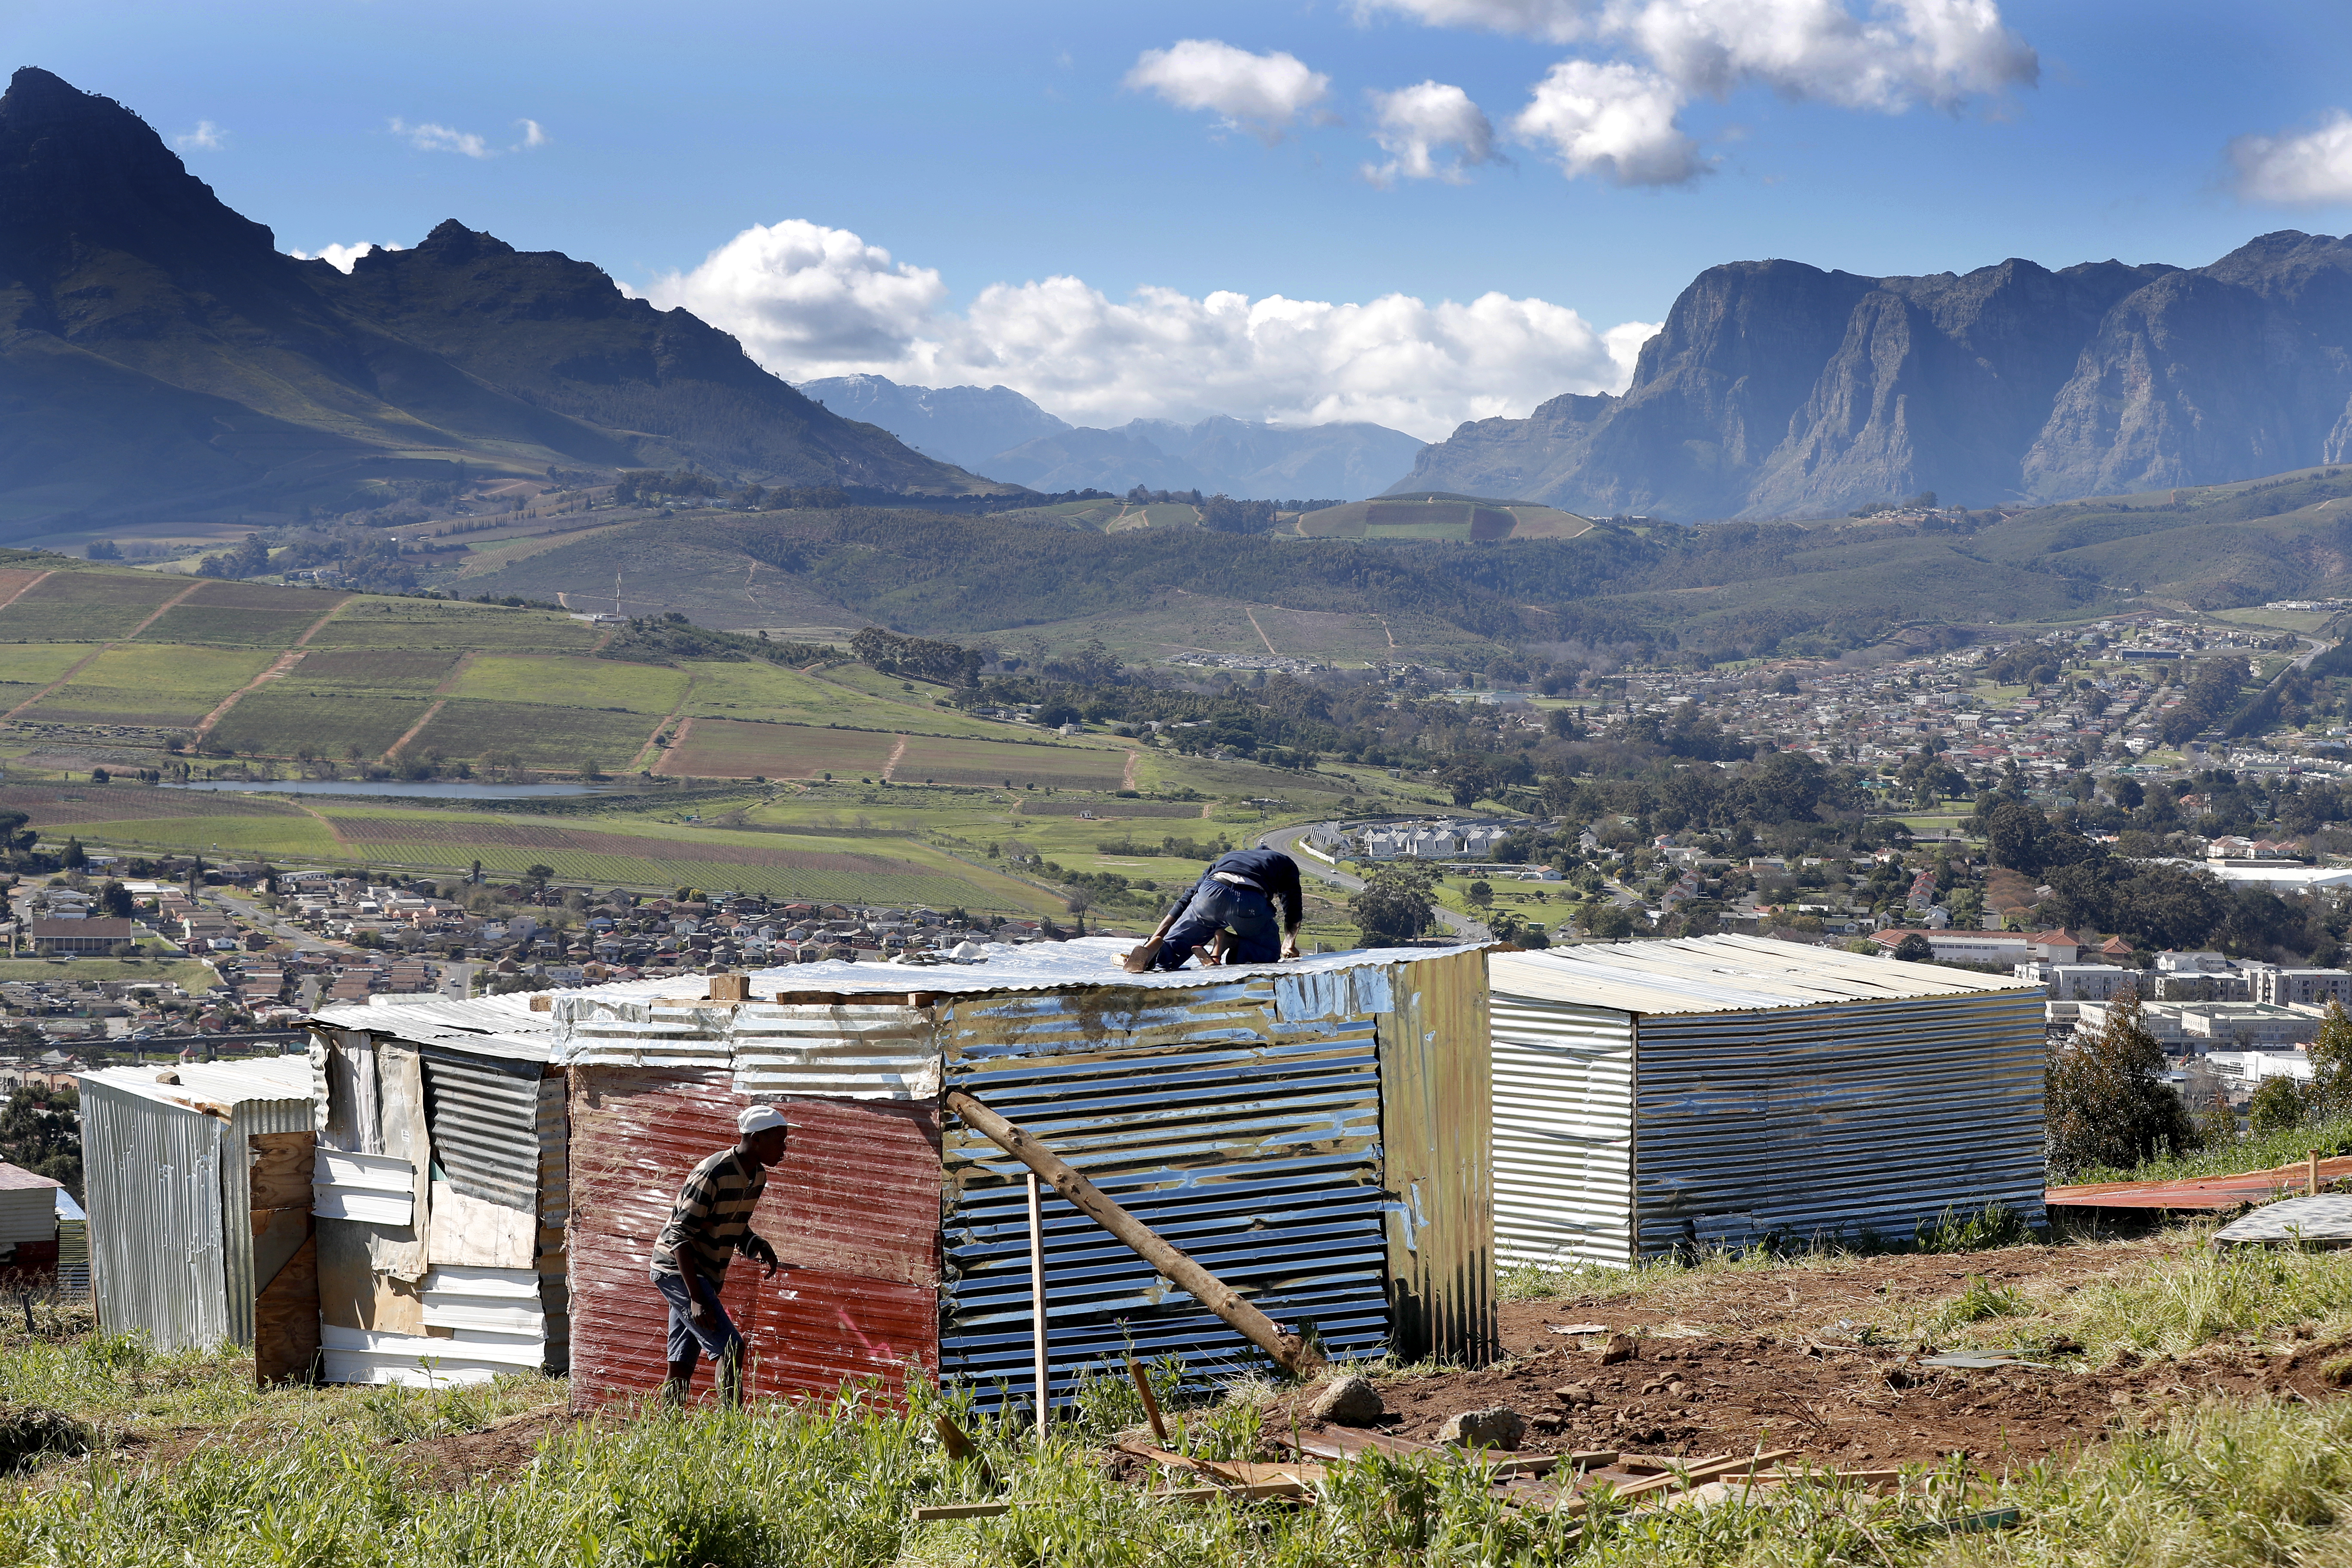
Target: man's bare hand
{"type": "Point", "coordinates": [697, 1311]}
{"type": "Point", "coordinates": [1291, 947]}
{"type": "Point", "coordinates": [762, 1252]}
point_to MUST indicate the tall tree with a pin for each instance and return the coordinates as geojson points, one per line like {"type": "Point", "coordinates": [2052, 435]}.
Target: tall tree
{"type": "Point", "coordinates": [2105, 1100]}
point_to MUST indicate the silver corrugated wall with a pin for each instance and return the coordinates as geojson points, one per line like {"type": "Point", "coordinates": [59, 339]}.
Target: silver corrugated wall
{"type": "Point", "coordinates": [1563, 1134]}
{"type": "Point", "coordinates": [483, 1113]}
{"type": "Point", "coordinates": [1837, 1120]}
{"type": "Point", "coordinates": [152, 1176]}
{"type": "Point", "coordinates": [1249, 1141]}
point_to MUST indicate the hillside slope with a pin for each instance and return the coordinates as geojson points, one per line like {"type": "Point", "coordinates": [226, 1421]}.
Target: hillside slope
{"type": "Point", "coordinates": [156, 352]}
{"type": "Point", "coordinates": [1777, 389]}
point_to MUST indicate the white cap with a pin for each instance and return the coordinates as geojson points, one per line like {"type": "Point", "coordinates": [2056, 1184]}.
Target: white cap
{"type": "Point", "coordinates": [759, 1119]}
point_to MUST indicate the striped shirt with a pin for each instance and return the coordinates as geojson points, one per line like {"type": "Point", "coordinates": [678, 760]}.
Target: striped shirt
{"type": "Point", "coordinates": [712, 1216]}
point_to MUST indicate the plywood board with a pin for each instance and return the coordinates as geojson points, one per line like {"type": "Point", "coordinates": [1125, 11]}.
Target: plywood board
{"type": "Point", "coordinates": [279, 1169]}
{"type": "Point", "coordinates": [351, 1294]}
{"type": "Point", "coordinates": [468, 1231]}
{"type": "Point", "coordinates": [278, 1235]}
{"type": "Point", "coordinates": [285, 1320]}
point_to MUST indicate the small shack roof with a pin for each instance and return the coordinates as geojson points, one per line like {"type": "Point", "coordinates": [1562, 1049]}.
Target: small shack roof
{"type": "Point", "coordinates": [1004, 967]}
{"type": "Point", "coordinates": [220, 1085]}
{"type": "Point", "coordinates": [504, 1028]}
{"type": "Point", "coordinates": [1723, 975]}
{"type": "Point", "coordinates": [1035, 966]}
{"type": "Point", "coordinates": [15, 1178]}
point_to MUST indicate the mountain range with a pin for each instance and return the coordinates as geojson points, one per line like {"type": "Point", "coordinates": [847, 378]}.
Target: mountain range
{"type": "Point", "coordinates": [1776, 389]}
{"type": "Point", "coordinates": [159, 355]}
{"type": "Point", "coordinates": [998, 432]}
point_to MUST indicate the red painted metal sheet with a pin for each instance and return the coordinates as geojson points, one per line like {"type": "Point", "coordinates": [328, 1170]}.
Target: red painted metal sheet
{"type": "Point", "coordinates": [2201, 1192]}
{"type": "Point", "coordinates": [856, 1201]}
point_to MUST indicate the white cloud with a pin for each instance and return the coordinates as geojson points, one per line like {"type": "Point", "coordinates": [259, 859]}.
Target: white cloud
{"type": "Point", "coordinates": [1611, 120]}
{"type": "Point", "coordinates": [809, 301]}
{"type": "Point", "coordinates": [1554, 21]}
{"type": "Point", "coordinates": [1894, 56]}
{"type": "Point", "coordinates": [1264, 94]}
{"type": "Point", "coordinates": [2311, 166]}
{"type": "Point", "coordinates": [206, 137]}
{"type": "Point", "coordinates": [1415, 125]}
{"type": "Point", "coordinates": [428, 137]}
{"type": "Point", "coordinates": [799, 294]}
{"type": "Point", "coordinates": [340, 256]}
{"type": "Point", "coordinates": [432, 137]}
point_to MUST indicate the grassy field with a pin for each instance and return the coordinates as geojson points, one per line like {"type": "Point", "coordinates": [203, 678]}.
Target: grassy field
{"type": "Point", "coordinates": [412, 623]}
{"type": "Point", "coordinates": [560, 738]}
{"type": "Point", "coordinates": [733, 748]}
{"type": "Point", "coordinates": [86, 606]}
{"type": "Point", "coordinates": [278, 721]}
{"type": "Point", "coordinates": [932, 761]}
{"type": "Point", "coordinates": [242, 613]}
{"type": "Point", "coordinates": [163, 686]}
{"type": "Point", "coordinates": [572, 682]}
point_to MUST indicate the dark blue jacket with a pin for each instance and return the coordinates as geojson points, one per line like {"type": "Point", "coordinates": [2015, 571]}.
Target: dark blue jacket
{"type": "Point", "coordinates": [1273, 873]}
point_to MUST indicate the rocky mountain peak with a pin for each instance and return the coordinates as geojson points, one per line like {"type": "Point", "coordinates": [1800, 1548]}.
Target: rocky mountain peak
{"type": "Point", "coordinates": [76, 167]}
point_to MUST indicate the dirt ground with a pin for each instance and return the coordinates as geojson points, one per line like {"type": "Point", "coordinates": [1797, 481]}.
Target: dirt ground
{"type": "Point", "coordinates": [1772, 1359]}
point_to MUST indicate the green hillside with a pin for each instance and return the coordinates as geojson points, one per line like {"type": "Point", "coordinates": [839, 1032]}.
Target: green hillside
{"type": "Point", "coordinates": [1436, 516]}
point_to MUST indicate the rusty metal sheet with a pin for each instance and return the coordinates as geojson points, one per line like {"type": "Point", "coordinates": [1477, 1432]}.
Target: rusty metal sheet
{"type": "Point", "coordinates": [1437, 1131]}
{"type": "Point", "coordinates": [1251, 1143]}
{"type": "Point", "coordinates": [855, 1200]}
{"type": "Point", "coordinates": [2217, 1194]}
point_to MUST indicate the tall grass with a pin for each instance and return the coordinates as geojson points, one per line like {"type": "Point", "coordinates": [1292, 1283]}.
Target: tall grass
{"type": "Point", "coordinates": [2261, 1151]}
{"type": "Point", "coordinates": [2226, 1486]}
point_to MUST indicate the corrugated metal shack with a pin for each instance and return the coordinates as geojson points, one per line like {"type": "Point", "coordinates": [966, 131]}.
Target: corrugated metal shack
{"type": "Point", "coordinates": [1314, 1133]}
{"type": "Point", "coordinates": [1722, 1090]}
{"type": "Point", "coordinates": [167, 1156]}
{"type": "Point", "coordinates": [440, 1192]}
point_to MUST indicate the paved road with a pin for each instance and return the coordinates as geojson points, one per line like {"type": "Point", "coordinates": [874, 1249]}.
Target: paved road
{"type": "Point", "coordinates": [1286, 840]}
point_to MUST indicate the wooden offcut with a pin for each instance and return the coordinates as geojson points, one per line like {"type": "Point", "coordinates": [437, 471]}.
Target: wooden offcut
{"type": "Point", "coordinates": [286, 1321]}
{"type": "Point", "coordinates": [1289, 1351]}
{"type": "Point", "coordinates": [278, 1169]}
{"type": "Point", "coordinates": [284, 1257]}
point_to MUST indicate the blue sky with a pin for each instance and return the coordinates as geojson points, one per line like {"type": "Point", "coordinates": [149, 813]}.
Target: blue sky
{"type": "Point", "coordinates": [1005, 145]}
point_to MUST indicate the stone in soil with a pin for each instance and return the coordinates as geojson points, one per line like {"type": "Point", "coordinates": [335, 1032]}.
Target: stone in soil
{"type": "Point", "coordinates": [1348, 1402]}
{"type": "Point", "coordinates": [1498, 1428]}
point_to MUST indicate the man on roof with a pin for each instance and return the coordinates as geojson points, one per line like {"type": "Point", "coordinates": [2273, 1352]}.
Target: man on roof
{"type": "Point", "coordinates": [1236, 899]}
{"type": "Point", "coordinates": [709, 1224]}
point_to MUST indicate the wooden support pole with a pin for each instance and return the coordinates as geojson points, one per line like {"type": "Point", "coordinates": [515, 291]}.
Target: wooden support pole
{"type": "Point", "coordinates": [1037, 1303]}
{"type": "Point", "coordinates": [1290, 1353]}
{"type": "Point", "coordinates": [1150, 1400]}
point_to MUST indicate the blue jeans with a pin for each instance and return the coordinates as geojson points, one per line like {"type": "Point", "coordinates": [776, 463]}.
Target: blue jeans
{"type": "Point", "coordinates": [1215, 906]}
{"type": "Point", "coordinates": [719, 1340]}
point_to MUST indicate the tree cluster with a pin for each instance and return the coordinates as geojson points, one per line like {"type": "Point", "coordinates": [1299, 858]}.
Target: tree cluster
{"type": "Point", "coordinates": [918, 658]}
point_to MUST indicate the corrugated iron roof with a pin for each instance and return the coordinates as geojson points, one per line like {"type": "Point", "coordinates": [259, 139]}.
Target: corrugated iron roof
{"type": "Point", "coordinates": [1724, 975]}
{"type": "Point", "coordinates": [218, 1083]}
{"type": "Point", "coordinates": [15, 1177]}
{"type": "Point", "coordinates": [501, 1027]}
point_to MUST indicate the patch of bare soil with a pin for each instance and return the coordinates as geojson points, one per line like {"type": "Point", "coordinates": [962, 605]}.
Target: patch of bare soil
{"type": "Point", "coordinates": [1773, 1359]}
{"type": "Point", "coordinates": [491, 1454]}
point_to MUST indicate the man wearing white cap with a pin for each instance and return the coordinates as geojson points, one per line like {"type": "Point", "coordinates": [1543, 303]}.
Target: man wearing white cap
{"type": "Point", "coordinates": [711, 1222]}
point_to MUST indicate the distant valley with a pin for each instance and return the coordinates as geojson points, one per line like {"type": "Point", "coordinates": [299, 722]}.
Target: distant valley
{"type": "Point", "coordinates": [998, 432]}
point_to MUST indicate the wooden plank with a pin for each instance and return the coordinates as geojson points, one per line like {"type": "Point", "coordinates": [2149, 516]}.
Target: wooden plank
{"type": "Point", "coordinates": [1289, 1351]}
{"type": "Point", "coordinates": [286, 1321]}
{"type": "Point", "coordinates": [277, 1169]}
{"type": "Point", "coordinates": [963, 1511]}
{"type": "Point", "coordinates": [278, 1234]}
